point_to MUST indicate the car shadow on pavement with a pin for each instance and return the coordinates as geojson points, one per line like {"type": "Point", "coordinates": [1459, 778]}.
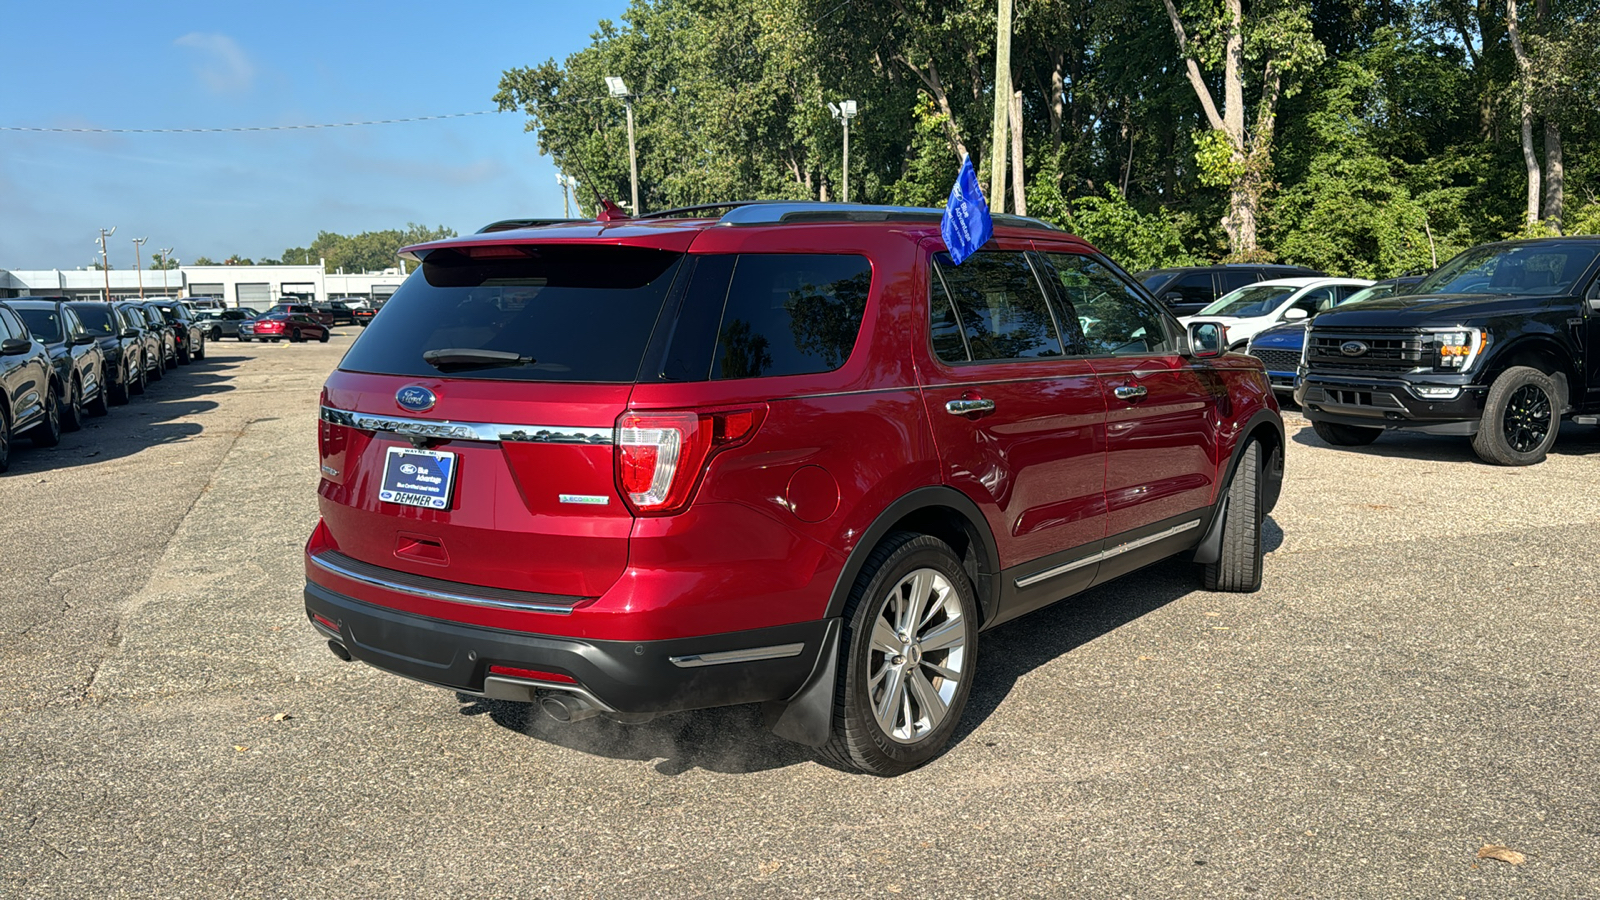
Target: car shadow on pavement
{"type": "Point", "coordinates": [1571, 440]}
{"type": "Point", "coordinates": [734, 740]}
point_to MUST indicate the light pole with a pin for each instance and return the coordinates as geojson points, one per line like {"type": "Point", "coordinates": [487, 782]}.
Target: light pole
{"type": "Point", "coordinates": [620, 90]}
{"type": "Point", "coordinates": [165, 253]}
{"type": "Point", "coordinates": [138, 265]}
{"type": "Point", "coordinates": [568, 183]}
{"type": "Point", "coordinates": [105, 262]}
{"type": "Point", "coordinates": [845, 111]}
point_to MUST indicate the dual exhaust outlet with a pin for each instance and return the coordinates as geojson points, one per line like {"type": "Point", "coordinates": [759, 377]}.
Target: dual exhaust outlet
{"type": "Point", "coordinates": [558, 705]}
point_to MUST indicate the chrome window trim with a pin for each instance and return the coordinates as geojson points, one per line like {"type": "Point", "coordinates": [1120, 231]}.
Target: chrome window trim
{"type": "Point", "coordinates": [467, 431]}
{"type": "Point", "coordinates": [1103, 555]}
{"type": "Point", "coordinates": [447, 596]}
{"type": "Point", "coordinates": [724, 657]}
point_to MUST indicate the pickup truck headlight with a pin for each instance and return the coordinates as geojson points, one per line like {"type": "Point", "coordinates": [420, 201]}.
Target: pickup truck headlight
{"type": "Point", "coordinates": [1455, 349]}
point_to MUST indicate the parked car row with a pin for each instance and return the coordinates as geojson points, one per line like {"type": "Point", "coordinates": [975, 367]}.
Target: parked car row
{"type": "Point", "coordinates": [62, 359]}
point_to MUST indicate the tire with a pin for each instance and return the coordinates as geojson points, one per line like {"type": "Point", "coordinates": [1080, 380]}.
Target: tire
{"type": "Point", "coordinates": [159, 371]}
{"type": "Point", "coordinates": [185, 356]}
{"type": "Point", "coordinates": [119, 390]}
{"type": "Point", "coordinates": [1238, 568]}
{"type": "Point", "coordinates": [1345, 435]}
{"type": "Point", "coordinates": [200, 349]}
{"type": "Point", "coordinates": [143, 381]}
{"type": "Point", "coordinates": [48, 432]}
{"type": "Point", "coordinates": [1521, 417]}
{"type": "Point", "coordinates": [905, 568]}
{"type": "Point", "coordinates": [5, 440]}
{"type": "Point", "coordinates": [100, 405]}
{"type": "Point", "coordinates": [295, 337]}
{"type": "Point", "coordinates": [72, 409]}
{"type": "Point", "coordinates": [324, 338]}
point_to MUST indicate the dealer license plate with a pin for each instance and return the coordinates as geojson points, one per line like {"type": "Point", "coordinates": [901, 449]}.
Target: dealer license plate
{"type": "Point", "coordinates": [415, 477]}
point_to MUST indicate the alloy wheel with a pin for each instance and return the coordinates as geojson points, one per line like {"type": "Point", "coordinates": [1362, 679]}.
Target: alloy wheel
{"type": "Point", "coordinates": [1527, 419]}
{"type": "Point", "coordinates": [918, 655]}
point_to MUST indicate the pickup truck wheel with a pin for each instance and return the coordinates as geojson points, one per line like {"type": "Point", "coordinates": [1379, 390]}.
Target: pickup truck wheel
{"type": "Point", "coordinates": [1520, 418]}
{"type": "Point", "coordinates": [909, 645]}
{"type": "Point", "coordinates": [48, 432]}
{"type": "Point", "coordinates": [1345, 435]}
{"type": "Point", "coordinates": [1238, 568]}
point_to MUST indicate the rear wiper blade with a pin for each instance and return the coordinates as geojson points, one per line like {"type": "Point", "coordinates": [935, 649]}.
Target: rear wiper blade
{"type": "Point", "coordinates": [470, 358]}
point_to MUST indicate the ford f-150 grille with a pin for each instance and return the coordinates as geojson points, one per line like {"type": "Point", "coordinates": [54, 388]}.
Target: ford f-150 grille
{"type": "Point", "coordinates": [1365, 350]}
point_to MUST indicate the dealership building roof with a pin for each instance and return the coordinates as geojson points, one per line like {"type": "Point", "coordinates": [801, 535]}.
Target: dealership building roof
{"type": "Point", "coordinates": [254, 286]}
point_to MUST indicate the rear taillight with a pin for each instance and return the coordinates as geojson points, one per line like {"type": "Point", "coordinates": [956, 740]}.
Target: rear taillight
{"type": "Point", "coordinates": [661, 455]}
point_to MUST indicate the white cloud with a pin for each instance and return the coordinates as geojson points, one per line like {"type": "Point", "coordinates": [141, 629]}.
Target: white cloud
{"type": "Point", "coordinates": [223, 64]}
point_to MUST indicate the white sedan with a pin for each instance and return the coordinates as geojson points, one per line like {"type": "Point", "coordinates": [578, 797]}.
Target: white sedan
{"type": "Point", "coordinates": [1256, 307]}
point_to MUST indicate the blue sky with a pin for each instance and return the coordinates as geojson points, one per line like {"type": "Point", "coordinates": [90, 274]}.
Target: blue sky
{"type": "Point", "coordinates": [220, 65]}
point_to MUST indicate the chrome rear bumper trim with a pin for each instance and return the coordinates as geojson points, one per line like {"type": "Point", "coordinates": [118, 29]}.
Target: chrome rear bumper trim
{"type": "Point", "coordinates": [724, 657]}
{"type": "Point", "coordinates": [467, 431]}
{"type": "Point", "coordinates": [432, 594]}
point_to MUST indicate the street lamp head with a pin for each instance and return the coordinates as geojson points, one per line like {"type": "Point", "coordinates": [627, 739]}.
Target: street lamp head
{"type": "Point", "coordinates": [848, 109]}
{"type": "Point", "coordinates": [616, 86]}
{"type": "Point", "coordinates": [140, 240]}
{"type": "Point", "coordinates": [834, 108]}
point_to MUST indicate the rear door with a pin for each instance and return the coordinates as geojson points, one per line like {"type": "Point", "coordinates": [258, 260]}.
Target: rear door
{"type": "Point", "coordinates": [1019, 420]}
{"type": "Point", "coordinates": [1162, 407]}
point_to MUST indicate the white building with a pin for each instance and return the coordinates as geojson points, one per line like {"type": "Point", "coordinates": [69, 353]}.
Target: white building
{"type": "Point", "coordinates": [254, 286]}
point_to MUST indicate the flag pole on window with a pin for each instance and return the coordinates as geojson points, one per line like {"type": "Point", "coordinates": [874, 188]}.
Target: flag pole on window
{"type": "Point", "coordinates": [966, 225]}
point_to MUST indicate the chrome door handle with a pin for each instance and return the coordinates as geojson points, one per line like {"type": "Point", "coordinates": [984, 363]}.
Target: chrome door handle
{"type": "Point", "coordinates": [1131, 392]}
{"type": "Point", "coordinates": [963, 407]}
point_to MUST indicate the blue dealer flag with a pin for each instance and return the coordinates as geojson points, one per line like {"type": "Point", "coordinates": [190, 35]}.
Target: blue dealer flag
{"type": "Point", "coordinates": [966, 225]}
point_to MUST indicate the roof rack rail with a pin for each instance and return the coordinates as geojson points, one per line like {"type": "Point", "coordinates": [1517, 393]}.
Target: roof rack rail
{"type": "Point", "coordinates": [513, 224]}
{"type": "Point", "coordinates": [782, 212]}
{"type": "Point", "coordinates": [704, 207]}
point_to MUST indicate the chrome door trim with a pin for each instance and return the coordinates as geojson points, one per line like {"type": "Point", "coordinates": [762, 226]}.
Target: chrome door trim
{"type": "Point", "coordinates": [467, 431]}
{"type": "Point", "coordinates": [1135, 544]}
{"type": "Point", "coordinates": [724, 657]}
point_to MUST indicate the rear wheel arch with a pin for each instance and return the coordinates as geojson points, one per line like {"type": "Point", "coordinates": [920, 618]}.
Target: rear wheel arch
{"type": "Point", "coordinates": [944, 513]}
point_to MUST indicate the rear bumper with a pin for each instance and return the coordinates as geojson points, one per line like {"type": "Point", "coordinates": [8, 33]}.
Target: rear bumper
{"type": "Point", "coordinates": [621, 676]}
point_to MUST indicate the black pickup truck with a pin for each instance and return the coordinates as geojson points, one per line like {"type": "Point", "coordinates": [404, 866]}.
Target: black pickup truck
{"type": "Point", "coordinates": [1498, 345]}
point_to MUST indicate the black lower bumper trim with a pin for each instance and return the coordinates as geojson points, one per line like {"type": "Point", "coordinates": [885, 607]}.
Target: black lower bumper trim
{"type": "Point", "coordinates": [627, 676]}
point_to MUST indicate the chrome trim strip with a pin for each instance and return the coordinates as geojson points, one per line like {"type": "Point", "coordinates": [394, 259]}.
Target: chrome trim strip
{"type": "Point", "coordinates": [467, 431]}
{"type": "Point", "coordinates": [504, 687]}
{"type": "Point", "coordinates": [1103, 555]}
{"type": "Point", "coordinates": [446, 596]}
{"type": "Point", "coordinates": [723, 657]}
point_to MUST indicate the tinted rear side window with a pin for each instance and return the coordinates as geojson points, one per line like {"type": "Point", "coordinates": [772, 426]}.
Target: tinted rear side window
{"type": "Point", "coordinates": [999, 306]}
{"type": "Point", "coordinates": [43, 323]}
{"type": "Point", "coordinates": [583, 313]}
{"type": "Point", "coordinates": [97, 319]}
{"type": "Point", "coordinates": [761, 315]}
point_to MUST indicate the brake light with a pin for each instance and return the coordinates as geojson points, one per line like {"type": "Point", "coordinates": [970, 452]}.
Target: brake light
{"type": "Point", "coordinates": [661, 455]}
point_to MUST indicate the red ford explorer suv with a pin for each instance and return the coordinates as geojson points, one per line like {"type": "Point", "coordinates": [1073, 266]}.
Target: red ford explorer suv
{"type": "Point", "coordinates": [789, 455]}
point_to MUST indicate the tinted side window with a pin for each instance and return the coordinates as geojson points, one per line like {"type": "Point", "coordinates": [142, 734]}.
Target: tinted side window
{"type": "Point", "coordinates": [1195, 288]}
{"type": "Point", "coordinates": [1114, 318]}
{"type": "Point", "coordinates": [791, 314]}
{"type": "Point", "coordinates": [1001, 309]}
{"type": "Point", "coordinates": [1234, 279]}
{"type": "Point", "coordinates": [7, 330]}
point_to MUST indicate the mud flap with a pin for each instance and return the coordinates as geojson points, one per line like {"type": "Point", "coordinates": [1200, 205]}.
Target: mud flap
{"type": "Point", "coordinates": [807, 717]}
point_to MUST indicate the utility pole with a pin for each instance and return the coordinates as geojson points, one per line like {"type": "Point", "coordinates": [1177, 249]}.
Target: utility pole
{"type": "Point", "coordinates": [105, 262]}
{"type": "Point", "coordinates": [845, 111]}
{"type": "Point", "coordinates": [165, 253]}
{"type": "Point", "coordinates": [619, 89]}
{"type": "Point", "coordinates": [138, 265]}
{"type": "Point", "coordinates": [568, 184]}
{"type": "Point", "coordinates": [1002, 108]}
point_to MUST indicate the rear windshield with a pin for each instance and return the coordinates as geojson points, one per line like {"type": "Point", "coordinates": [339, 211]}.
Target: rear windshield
{"type": "Point", "coordinates": [96, 319]}
{"type": "Point", "coordinates": [44, 324]}
{"type": "Point", "coordinates": [1549, 267]}
{"type": "Point", "coordinates": [574, 313]}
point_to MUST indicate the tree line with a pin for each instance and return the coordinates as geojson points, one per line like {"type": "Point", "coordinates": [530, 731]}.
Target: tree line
{"type": "Point", "coordinates": [369, 251]}
{"type": "Point", "coordinates": [1359, 137]}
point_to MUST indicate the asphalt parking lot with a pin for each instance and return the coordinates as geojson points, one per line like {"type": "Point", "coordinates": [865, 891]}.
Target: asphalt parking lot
{"type": "Point", "coordinates": [1416, 680]}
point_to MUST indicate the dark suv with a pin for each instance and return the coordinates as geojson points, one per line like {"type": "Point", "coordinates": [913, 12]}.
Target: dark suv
{"type": "Point", "coordinates": [1188, 289]}
{"type": "Point", "coordinates": [1498, 345]}
{"type": "Point", "coordinates": [791, 455]}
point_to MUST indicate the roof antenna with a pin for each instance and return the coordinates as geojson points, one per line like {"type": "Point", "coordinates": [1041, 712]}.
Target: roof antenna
{"type": "Point", "coordinates": [609, 212]}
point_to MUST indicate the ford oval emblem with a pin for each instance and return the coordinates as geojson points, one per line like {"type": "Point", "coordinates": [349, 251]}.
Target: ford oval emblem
{"type": "Point", "coordinates": [1348, 348]}
{"type": "Point", "coordinates": [415, 397]}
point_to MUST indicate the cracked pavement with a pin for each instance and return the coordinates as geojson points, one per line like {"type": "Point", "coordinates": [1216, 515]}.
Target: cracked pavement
{"type": "Point", "coordinates": [1416, 680]}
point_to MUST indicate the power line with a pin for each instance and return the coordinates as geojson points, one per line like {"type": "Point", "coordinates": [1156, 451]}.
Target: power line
{"type": "Point", "coordinates": [242, 128]}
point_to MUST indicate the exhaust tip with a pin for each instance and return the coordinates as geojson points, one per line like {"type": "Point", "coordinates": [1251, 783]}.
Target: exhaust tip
{"type": "Point", "coordinates": [566, 708]}
{"type": "Point", "coordinates": [339, 650]}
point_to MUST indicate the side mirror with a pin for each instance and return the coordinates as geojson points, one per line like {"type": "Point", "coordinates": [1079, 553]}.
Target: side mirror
{"type": "Point", "coordinates": [82, 338]}
{"type": "Point", "coordinates": [130, 332]}
{"type": "Point", "coordinates": [1295, 314]}
{"type": "Point", "coordinates": [13, 346]}
{"type": "Point", "coordinates": [1206, 340]}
